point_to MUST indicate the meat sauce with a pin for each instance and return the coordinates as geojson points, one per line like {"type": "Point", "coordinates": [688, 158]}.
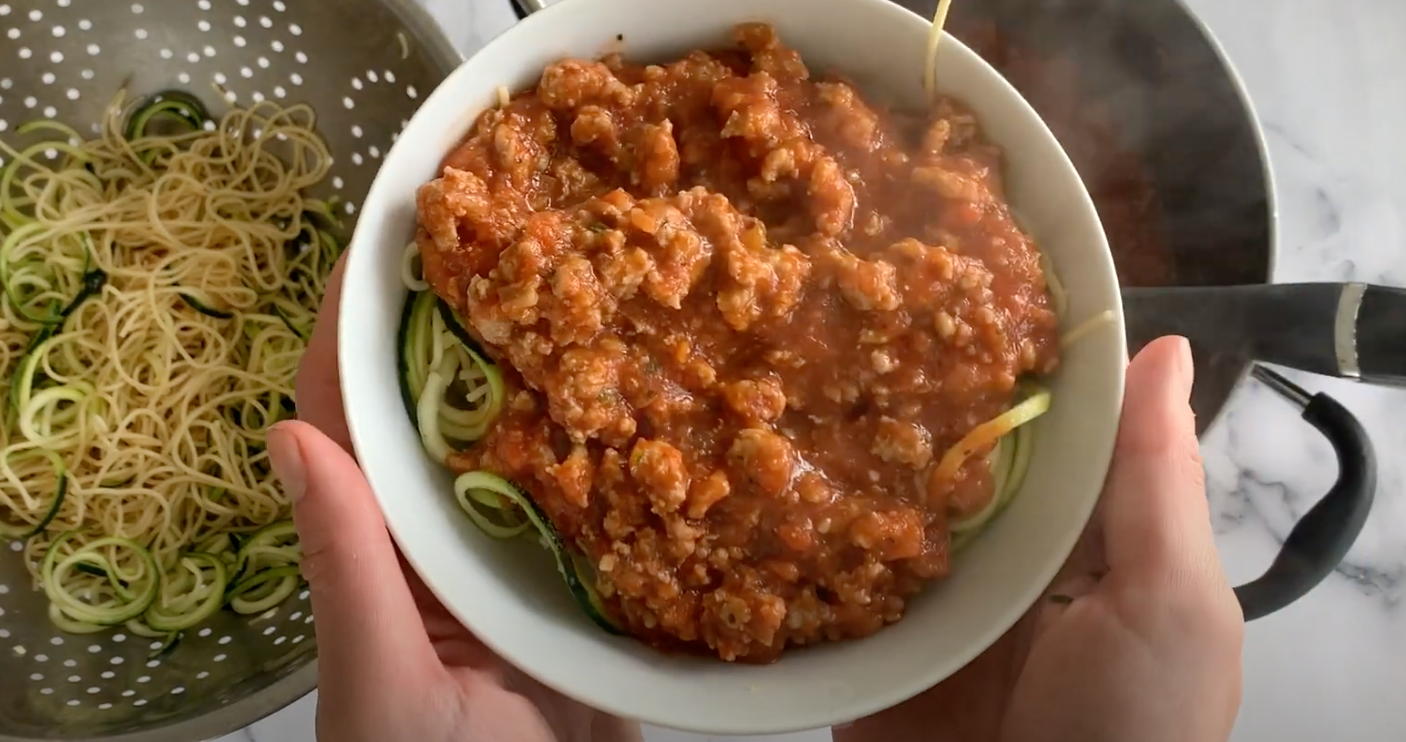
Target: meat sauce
{"type": "Point", "coordinates": [741, 311]}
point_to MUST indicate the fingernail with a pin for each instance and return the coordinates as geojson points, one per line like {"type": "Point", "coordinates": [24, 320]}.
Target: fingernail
{"type": "Point", "coordinates": [287, 460]}
{"type": "Point", "coordinates": [1183, 354]}
{"type": "Point", "coordinates": [1185, 364]}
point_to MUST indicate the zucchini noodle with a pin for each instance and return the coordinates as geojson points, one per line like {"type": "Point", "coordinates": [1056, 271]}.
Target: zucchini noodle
{"type": "Point", "coordinates": [160, 281]}
{"type": "Point", "coordinates": [454, 394]}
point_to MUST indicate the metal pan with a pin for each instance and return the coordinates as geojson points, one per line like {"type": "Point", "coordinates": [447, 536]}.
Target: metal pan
{"type": "Point", "coordinates": [1159, 125]}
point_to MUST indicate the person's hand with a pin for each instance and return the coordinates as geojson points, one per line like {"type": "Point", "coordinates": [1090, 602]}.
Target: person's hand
{"type": "Point", "coordinates": [1139, 639]}
{"type": "Point", "coordinates": [393, 664]}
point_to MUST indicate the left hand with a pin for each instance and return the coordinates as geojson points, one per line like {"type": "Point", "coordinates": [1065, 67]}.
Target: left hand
{"type": "Point", "coordinates": [394, 665]}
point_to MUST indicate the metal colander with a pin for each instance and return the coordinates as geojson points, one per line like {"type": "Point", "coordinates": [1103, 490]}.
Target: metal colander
{"type": "Point", "coordinates": [364, 66]}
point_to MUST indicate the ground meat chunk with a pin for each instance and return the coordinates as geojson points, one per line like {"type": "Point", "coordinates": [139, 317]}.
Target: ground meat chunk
{"type": "Point", "coordinates": [738, 312]}
{"type": "Point", "coordinates": [660, 168]}
{"type": "Point", "coordinates": [574, 476]}
{"type": "Point", "coordinates": [868, 285]}
{"type": "Point", "coordinates": [445, 202]}
{"type": "Point", "coordinates": [706, 493]}
{"type": "Point", "coordinates": [902, 442]}
{"type": "Point", "coordinates": [764, 458]}
{"type": "Point", "coordinates": [889, 535]}
{"type": "Point", "coordinates": [756, 400]}
{"type": "Point", "coordinates": [761, 282]}
{"type": "Point", "coordinates": [848, 115]}
{"type": "Point", "coordinates": [948, 184]}
{"type": "Point", "coordinates": [593, 125]}
{"type": "Point", "coordinates": [659, 467]}
{"type": "Point", "coordinates": [583, 394]}
{"type": "Point", "coordinates": [572, 83]}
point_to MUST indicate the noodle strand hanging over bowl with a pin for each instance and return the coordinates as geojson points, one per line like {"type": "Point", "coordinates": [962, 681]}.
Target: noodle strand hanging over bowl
{"type": "Point", "coordinates": [160, 282]}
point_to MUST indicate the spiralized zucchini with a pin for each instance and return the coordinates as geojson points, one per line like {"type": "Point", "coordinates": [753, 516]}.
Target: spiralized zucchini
{"type": "Point", "coordinates": [160, 281]}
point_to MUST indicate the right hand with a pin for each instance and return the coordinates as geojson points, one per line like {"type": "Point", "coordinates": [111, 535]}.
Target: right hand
{"type": "Point", "coordinates": [1139, 639]}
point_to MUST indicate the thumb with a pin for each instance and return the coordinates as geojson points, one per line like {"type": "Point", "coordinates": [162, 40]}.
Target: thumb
{"type": "Point", "coordinates": [367, 625]}
{"type": "Point", "coordinates": [1156, 521]}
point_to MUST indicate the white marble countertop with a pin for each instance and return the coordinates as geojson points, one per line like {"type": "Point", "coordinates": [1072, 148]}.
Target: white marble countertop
{"type": "Point", "coordinates": [1325, 76]}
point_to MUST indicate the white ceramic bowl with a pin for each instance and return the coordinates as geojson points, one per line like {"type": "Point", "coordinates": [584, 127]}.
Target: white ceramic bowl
{"type": "Point", "coordinates": [510, 595]}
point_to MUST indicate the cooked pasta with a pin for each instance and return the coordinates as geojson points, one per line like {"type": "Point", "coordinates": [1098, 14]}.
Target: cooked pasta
{"type": "Point", "coordinates": [160, 283]}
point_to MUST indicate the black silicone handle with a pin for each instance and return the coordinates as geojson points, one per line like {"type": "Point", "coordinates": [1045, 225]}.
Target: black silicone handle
{"type": "Point", "coordinates": [1353, 330]}
{"type": "Point", "coordinates": [1321, 539]}
{"type": "Point", "coordinates": [1381, 335]}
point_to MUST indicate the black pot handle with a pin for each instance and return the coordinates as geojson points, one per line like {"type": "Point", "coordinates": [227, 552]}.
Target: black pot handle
{"type": "Point", "coordinates": [1320, 540]}
{"type": "Point", "coordinates": [1350, 330]}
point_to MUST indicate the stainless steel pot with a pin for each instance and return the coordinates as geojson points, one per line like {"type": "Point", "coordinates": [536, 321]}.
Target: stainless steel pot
{"type": "Point", "coordinates": [1161, 128]}
{"type": "Point", "coordinates": [1159, 125]}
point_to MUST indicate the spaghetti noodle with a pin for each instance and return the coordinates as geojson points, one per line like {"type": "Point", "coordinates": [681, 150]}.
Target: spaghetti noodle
{"type": "Point", "coordinates": [160, 282]}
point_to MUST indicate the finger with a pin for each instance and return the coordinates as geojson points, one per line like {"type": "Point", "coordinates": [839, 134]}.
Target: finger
{"type": "Point", "coordinates": [319, 385]}
{"type": "Point", "coordinates": [1063, 593]}
{"type": "Point", "coordinates": [367, 625]}
{"type": "Point", "coordinates": [1156, 521]}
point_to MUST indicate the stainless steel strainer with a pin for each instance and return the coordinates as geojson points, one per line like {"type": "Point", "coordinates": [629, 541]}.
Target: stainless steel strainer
{"type": "Point", "coordinates": [364, 65]}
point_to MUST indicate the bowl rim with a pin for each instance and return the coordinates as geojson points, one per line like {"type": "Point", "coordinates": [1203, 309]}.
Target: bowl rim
{"type": "Point", "coordinates": [594, 695]}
